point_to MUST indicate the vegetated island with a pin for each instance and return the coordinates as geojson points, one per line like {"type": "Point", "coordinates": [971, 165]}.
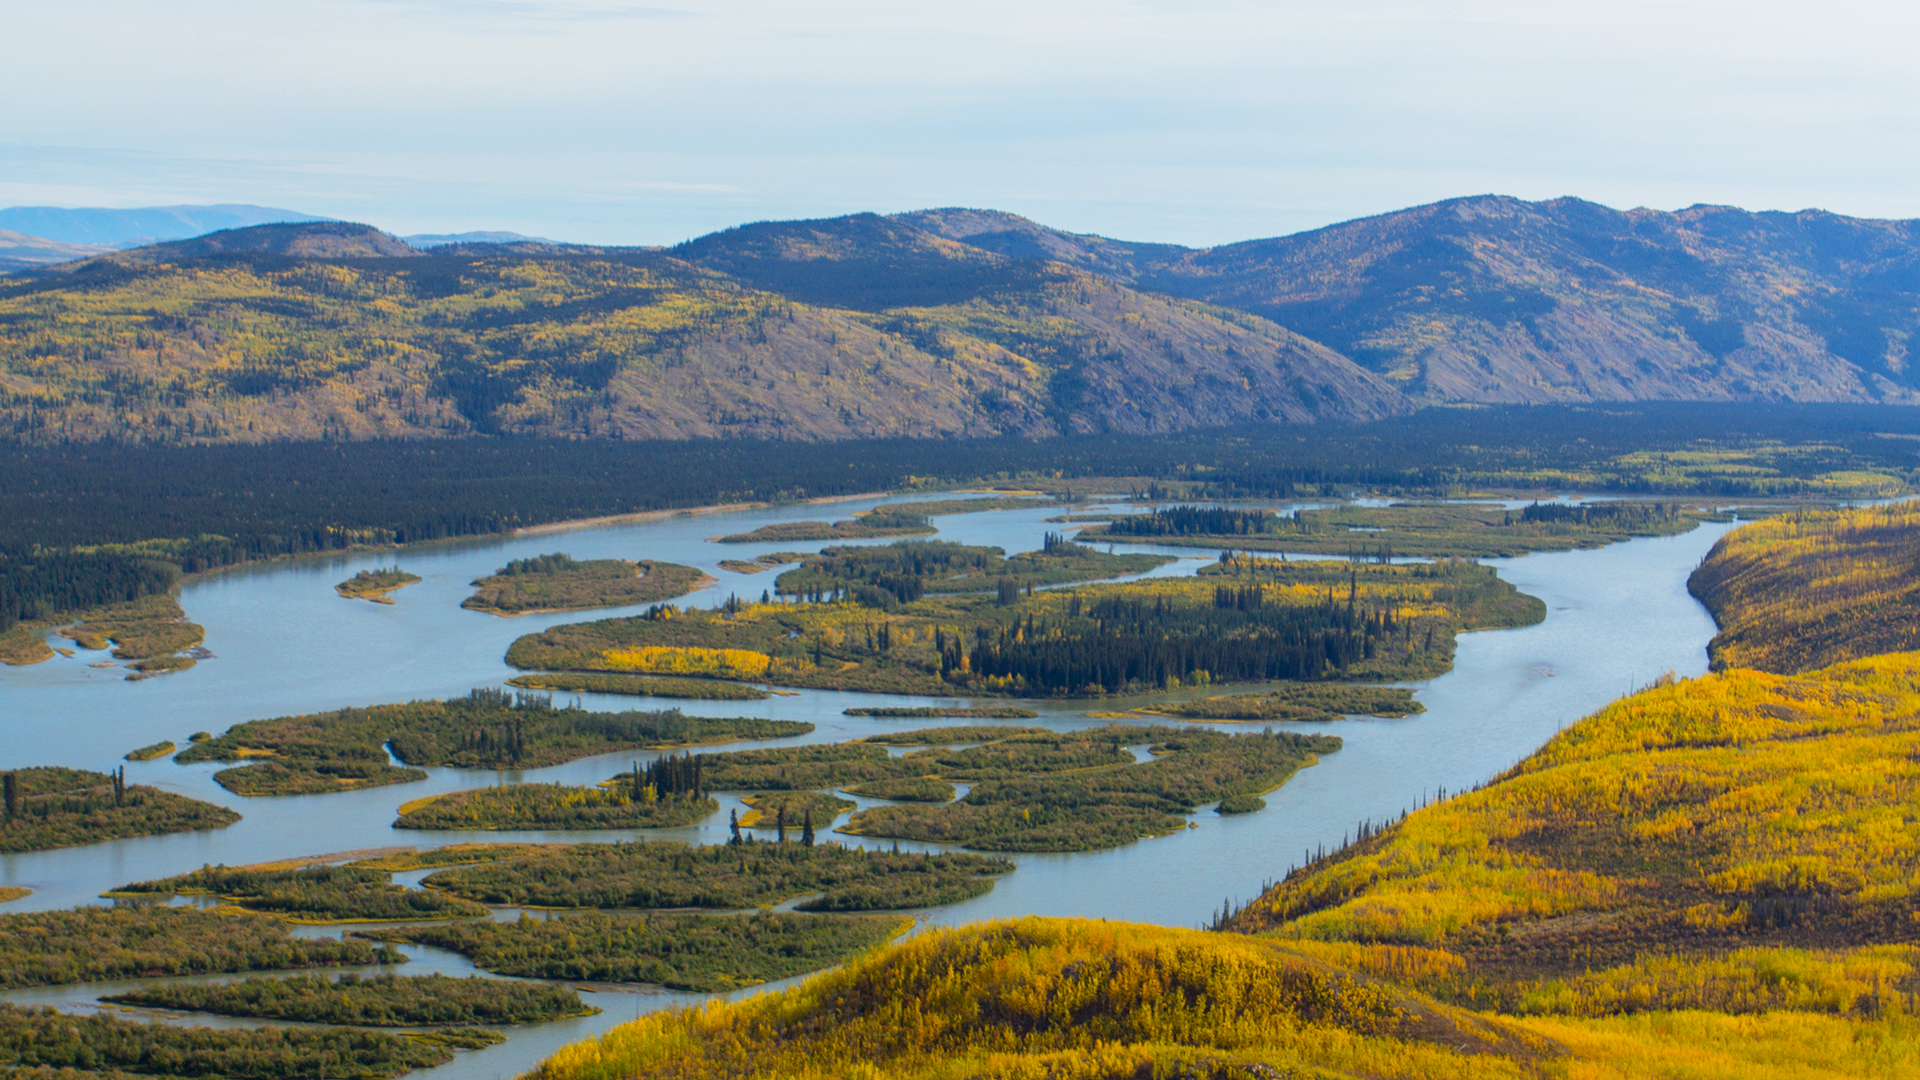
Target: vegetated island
{"type": "Point", "coordinates": [762, 562]}
{"type": "Point", "coordinates": [23, 645]}
{"type": "Point", "coordinates": [1423, 530]}
{"type": "Point", "coordinates": [872, 621]}
{"type": "Point", "coordinates": [372, 1001]}
{"type": "Point", "coordinates": [375, 584]}
{"type": "Point", "coordinates": [487, 729]}
{"type": "Point", "coordinates": [309, 894]}
{"type": "Point", "coordinates": [664, 792]}
{"type": "Point", "coordinates": [97, 944]}
{"type": "Point", "coordinates": [796, 810]}
{"type": "Point", "coordinates": [61, 1046]}
{"type": "Point", "coordinates": [53, 807]}
{"type": "Point", "coordinates": [638, 686]}
{"type": "Point", "coordinates": [1622, 900]}
{"type": "Point", "coordinates": [152, 632]}
{"type": "Point", "coordinates": [666, 874]}
{"type": "Point", "coordinates": [681, 951]}
{"type": "Point", "coordinates": [897, 519]}
{"type": "Point", "coordinates": [13, 892]}
{"type": "Point", "coordinates": [1032, 789]}
{"type": "Point", "coordinates": [557, 583]}
{"type": "Point", "coordinates": [1295, 703]}
{"type": "Point", "coordinates": [978, 712]}
{"type": "Point", "coordinates": [155, 750]}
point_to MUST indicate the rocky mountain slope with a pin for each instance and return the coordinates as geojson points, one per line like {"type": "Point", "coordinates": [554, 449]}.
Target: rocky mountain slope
{"type": "Point", "coordinates": [1496, 299]}
{"type": "Point", "coordinates": [851, 328]}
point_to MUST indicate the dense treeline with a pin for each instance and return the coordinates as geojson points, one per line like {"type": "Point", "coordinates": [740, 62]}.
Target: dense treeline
{"type": "Point", "coordinates": [884, 577]}
{"type": "Point", "coordinates": [310, 893]}
{"type": "Point", "coordinates": [51, 807]}
{"type": "Point", "coordinates": [487, 729]}
{"type": "Point", "coordinates": [662, 874]}
{"type": "Point", "coordinates": [43, 1038]}
{"type": "Point", "coordinates": [93, 944]}
{"type": "Point", "coordinates": [375, 1001]}
{"type": "Point", "coordinates": [685, 952]}
{"type": "Point", "coordinates": [212, 506]}
{"type": "Point", "coordinates": [1195, 521]}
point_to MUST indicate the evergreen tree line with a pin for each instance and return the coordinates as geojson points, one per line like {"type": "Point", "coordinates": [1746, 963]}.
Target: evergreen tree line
{"type": "Point", "coordinates": [1124, 643]}
{"type": "Point", "coordinates": [220, 505]}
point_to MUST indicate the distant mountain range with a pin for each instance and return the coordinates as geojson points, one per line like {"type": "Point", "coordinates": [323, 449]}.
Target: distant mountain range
{"type": "Point", "coordinates": [106, 228]}
{"type": "Point", "coordinates": [955, 322]}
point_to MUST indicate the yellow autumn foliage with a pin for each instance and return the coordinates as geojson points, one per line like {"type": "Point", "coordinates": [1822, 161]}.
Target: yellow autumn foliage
{"type": "Point", "coordinates": [670, 660]}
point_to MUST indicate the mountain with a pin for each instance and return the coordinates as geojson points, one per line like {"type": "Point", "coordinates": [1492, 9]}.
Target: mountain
{"type": "Point", "coordinates": [19, 252]}
{"type": "Point", "coordinates": [431, 240]}
{"type": "Point", "coordinates": [850, 328]}
{"type": "Point", "coordinates": [1493, 299]}
{"type": "Point", "coordinates": [144, 225]}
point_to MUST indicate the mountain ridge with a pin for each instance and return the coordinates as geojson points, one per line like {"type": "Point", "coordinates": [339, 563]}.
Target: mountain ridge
{"type": "Point", "coordinates": [956, 322]}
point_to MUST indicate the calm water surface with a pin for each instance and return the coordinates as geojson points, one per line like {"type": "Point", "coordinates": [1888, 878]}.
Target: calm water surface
{"type": "Point", "coordinates": [284, 643]}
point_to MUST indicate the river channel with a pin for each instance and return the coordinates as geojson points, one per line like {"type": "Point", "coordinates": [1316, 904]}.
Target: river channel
{"type": "Point", "coordinates": [284, 643]}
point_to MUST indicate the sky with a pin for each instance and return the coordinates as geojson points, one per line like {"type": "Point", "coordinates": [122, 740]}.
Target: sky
{"type": "Point", "coordinates": [1198, 122]}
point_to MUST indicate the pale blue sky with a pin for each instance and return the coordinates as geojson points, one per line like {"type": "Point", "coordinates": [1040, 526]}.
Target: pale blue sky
{"type": "Point", "coordinates": [1195, 122]}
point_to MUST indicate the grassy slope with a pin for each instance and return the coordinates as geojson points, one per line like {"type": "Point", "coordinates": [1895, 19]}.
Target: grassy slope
{"type": "Point", "coordinates": [1813, 588]}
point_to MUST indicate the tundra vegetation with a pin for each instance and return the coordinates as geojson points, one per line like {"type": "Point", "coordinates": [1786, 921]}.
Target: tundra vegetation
{"type": "Point", "coordinates": [1712, 877]}
{"type": "Point", "coordinates": [793, 810]}
{"type": "Point", "coordinates": [376, 584]}
{"type": "Point", "coordinates": [664, 792]}
{"type": "Point", "coordinates": [371, 1001]}
{"type": "Point", "coordinates": [979, 712]}
{"type": "Point", "coordinates": [665, 874]}
{"type": "Point", "coordinates": [638, 686]}
{"type": "Point", "coordinates": [681, 951]}
{"type": "Point", "coordinates": [1245, 619]}
{"type": "Point", "coordinates": [151, 631]}
{"type": "Point", "coordinates": [52, 807]}
{"type": "Point", "coordinates": [308, 894]}
{"type": "Point", "coordinates": [148, 753]}
{"type": "Point", "coordinates": [1423, 530]}
{"type": "Point", "coordinates": [1032, 789]}
{"type": "Point", "coordinates": [1295, 703]}
{"type": "Point", "coordinates": [487, 729]}
{"type": "Point", "coordinates": [893, 519]}
{"type": "Point", "coordinates": [95, 944]}
{"type": "Point", "coordinates": [762, 562]}
{"type": "Point", "coordinates": [558, 583]}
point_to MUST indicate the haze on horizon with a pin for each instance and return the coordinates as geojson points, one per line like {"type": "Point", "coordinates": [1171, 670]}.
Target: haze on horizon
{"type": "Point", "coordinates": [1196, 122]}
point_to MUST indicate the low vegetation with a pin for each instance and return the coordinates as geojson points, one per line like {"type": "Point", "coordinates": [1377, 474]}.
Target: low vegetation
{"type": "Point", "coordinates": [1803, 590]}
{"type": "Point", "coordinates": [1296, 703]}
{"type": "Point", "coordinates": [50, 1043]}
{"type": "Point", "coordinates": [954, 736]}
{"type": "Point", "coordinates": [1244, 619]}
{"type": "Point", "coordinates": [978, 712]}
{"type": "Point", "coordinates": [663, 874]}
{"type": "Point", "coordinates": [21, 645]}
{"type": "Point", "coordinates": [883, 577]}
{"type": "Point", "coordinates": [52, 807]}
{"type": "Point", "coordinates": [895, 519]}
{"type": "Point", "coordinates": [928, 789]}
{"type": "Point", "coordinates": [151, 630]}
{"type": "Point", "coordinates": [681, 951]}
{"type": "Point", "coordinates": [762, 562]}
{"type": "Point", "coordinates": [552, 806]}
{"type": "Point", "coordinates": [95, 944]}
{"type": "Point", "coordinates": [794, 810]}
{"type": "Point", "coordinates": [486, 729]}
{"type": "Point", "coordinates": [1423, 530]}
{"type": "Point", "coordinates": [639, 686]}
{"type": "Point", "coordinates": [148, 753]}
{"type": "Point", "coordinates": [558, 583]}
{"type": "Point", "coordinates": [376, 584]}
{"type": "Point", "coordinates": [1082, 791]}
{"type": "Point", "coordinates": [373, 1001]}
{"type": "Point", "coordinates": [309, 894]}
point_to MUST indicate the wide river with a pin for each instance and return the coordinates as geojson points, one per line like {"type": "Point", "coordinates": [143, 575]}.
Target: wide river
{"type": "Point", "coordinates": [284, 643]}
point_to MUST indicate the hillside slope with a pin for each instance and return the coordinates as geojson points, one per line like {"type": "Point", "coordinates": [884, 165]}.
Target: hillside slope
{"type": "Point", "coordinates": [831, 331]}
{"type": "Point", "coordinates": [1496, 299]}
